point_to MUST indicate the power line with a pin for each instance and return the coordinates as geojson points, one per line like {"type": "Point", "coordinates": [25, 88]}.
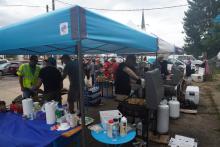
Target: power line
{"type": "Point", "coordinates": [21, 6]}
{"type": "Point", "coordinates": [140, 9]}
{"type": "Point", "coordinates": [102, 9]}
{"type": "Point", "coordinates": [66, 3]}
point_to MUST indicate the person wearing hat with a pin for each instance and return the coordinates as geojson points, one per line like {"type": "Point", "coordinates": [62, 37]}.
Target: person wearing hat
{"type": "Point", "coordinates": [125, 74]}
{"type": "Point", "coordinates": [28, 76]}
{"type": "Point", "coordinates": [52, 81]}
{"type": "Point", "coordinates": [72, 70]}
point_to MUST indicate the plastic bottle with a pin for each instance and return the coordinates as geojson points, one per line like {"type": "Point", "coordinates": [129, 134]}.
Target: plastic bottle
{"type": "Point", "coordinates": [123, 126]}
{"type": "Point", "coordinates": [110, 128]}
{"type": "Point", "coordinates": [115, 128]}
{"type": "Point", "coordinates": [139, 129]}
{"type": "Point", "coordinates": [69, 119]}
{"type": "Point", "coordinates": [58, 114]}
{"type": "Point", "coordinates": [75, 119]}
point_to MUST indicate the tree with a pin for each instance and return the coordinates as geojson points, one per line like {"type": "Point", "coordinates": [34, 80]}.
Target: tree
{"type": "Point", "coordinates": [197, 24]}
{"type": "Point", "coordinates": [211, 41]}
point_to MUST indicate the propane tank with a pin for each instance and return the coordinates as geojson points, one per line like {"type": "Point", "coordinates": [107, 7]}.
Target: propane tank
{"type": "Point", "coordinates": [163, 118]}
{"type": "Point", "coordinates": [174, 108]}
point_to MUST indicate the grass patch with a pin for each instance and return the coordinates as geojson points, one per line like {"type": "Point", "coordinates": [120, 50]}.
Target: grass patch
{"type": "Point", "coordinates": [210, 94]}
{"type": "Point", "coordinates": [215, 74]}
{"type": "Point", "coordinates": [216, 71]}
{"type": "Point", "coordinates": [217, 87]}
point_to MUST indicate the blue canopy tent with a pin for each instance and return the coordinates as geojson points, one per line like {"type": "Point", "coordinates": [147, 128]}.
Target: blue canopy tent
{"type": "Point", "coordinates": [73, 30]}
{"type": "Point", "coordinates": [58, 32]}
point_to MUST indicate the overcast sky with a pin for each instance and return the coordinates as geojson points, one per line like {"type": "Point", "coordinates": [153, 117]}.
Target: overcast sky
{"type": "Point", "coordinates": [166, 23]}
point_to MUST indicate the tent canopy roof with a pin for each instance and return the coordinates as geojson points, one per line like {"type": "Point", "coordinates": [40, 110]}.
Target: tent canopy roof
{"type": "Point", "coordinates": [57, 33]}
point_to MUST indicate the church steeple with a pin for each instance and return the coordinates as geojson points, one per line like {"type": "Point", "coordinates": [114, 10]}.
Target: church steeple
{"type": "Point", "coordinates": [143, 22]}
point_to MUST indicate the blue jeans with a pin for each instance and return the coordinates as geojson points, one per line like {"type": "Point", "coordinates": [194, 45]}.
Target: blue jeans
{"type": "Point", "coordinates": [27, 93]}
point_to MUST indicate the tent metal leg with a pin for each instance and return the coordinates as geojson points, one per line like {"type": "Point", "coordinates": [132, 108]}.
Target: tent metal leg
{"type": "Point", "coordinates": [81, 99]}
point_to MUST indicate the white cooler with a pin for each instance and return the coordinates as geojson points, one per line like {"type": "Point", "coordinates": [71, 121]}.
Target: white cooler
{"type": "Point", "coordinates": [197, 77]}
{"type": "Point", "coordinates": [192, 93]}
{"type": "Point", "coordinates": [201, 71]}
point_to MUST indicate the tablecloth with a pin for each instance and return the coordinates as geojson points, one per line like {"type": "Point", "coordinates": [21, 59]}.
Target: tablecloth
{"type": "Point", "coordinates": [15, 131]}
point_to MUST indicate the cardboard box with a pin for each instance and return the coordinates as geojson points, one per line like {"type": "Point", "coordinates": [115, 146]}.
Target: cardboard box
{"type": "Point", "coordinates": [105, 116]}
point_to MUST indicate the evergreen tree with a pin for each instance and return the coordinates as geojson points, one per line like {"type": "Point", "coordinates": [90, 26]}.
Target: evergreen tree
{"type": "Point", "coordinates": [197, 23]}
{"type": "Point", "coordinates": [211, 41]}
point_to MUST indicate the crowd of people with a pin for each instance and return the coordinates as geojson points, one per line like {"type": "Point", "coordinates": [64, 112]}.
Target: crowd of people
{"type": "Point", "coordinates": [32, 77]}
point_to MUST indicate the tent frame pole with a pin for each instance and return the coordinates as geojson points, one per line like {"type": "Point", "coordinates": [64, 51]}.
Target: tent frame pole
{"type": "Point", "coordinates": [81, 98]}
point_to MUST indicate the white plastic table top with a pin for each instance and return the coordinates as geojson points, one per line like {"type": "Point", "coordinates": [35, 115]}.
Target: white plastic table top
{"type": "Point", "coordinates": [103, 138]}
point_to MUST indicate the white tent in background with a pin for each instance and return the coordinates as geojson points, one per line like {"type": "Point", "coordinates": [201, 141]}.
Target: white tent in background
{"type": "Point", "coordinates": [165, 47]}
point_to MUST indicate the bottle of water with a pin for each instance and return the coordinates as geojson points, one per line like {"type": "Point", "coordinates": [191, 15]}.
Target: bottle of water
{"type": "Point", "coordinates": [115, 128]}
{"type": "Point", "coordinates": [123, 126]}
{"type": "Point", "coordinates": [139, 129]}
{"type": "Point", "coordinates": [110, 128]}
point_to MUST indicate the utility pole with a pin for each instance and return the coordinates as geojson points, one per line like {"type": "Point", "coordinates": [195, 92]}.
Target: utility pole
{"type": "Point", "coordinates": [53, 5]}
{"type": "Point", "coordinates": [47, 8]}
{"type": "Point", "coordinates": [53, 8]}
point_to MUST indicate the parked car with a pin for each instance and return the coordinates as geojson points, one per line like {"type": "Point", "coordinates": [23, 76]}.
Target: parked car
{"type": "Point", "coordinates": [218, 56]}
{"type": "Point", "coordinates": [185, 58]}
{"type": "Point", "coordinates": [59, 66]}
{"type": "Point", "coordinates": [4, 68]}
{"type": "Point", "coordinates": [3, 61]}
{"type": "Point", "coordinates": [41, 63]}
{"type": "Point", "coordinates": [13, 68]}
{"type": "Point", "coordinates": [181, 64]}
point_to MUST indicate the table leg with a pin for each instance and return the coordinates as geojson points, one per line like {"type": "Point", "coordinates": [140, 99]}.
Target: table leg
{"type": "Point", "coordinates": [55, 144]}
{"type": "Point", "coordinates": [78, 141]}
{"type": "Point", "coordinates": [102, 88]}
{"type": "Point", "coordinates": [147, 137]}
{"type": "Point", "coordinates": [112, 85]}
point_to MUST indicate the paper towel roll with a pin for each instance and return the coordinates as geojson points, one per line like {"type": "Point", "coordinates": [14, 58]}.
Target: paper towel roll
{"type": "Point", "coordinates": [27, 105]}
{"type": "Point", "coordinates": [50, 113]}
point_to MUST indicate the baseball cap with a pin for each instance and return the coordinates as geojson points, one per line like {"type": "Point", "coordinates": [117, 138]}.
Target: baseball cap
{"type": "Point", "coordinates": [52, 61]}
